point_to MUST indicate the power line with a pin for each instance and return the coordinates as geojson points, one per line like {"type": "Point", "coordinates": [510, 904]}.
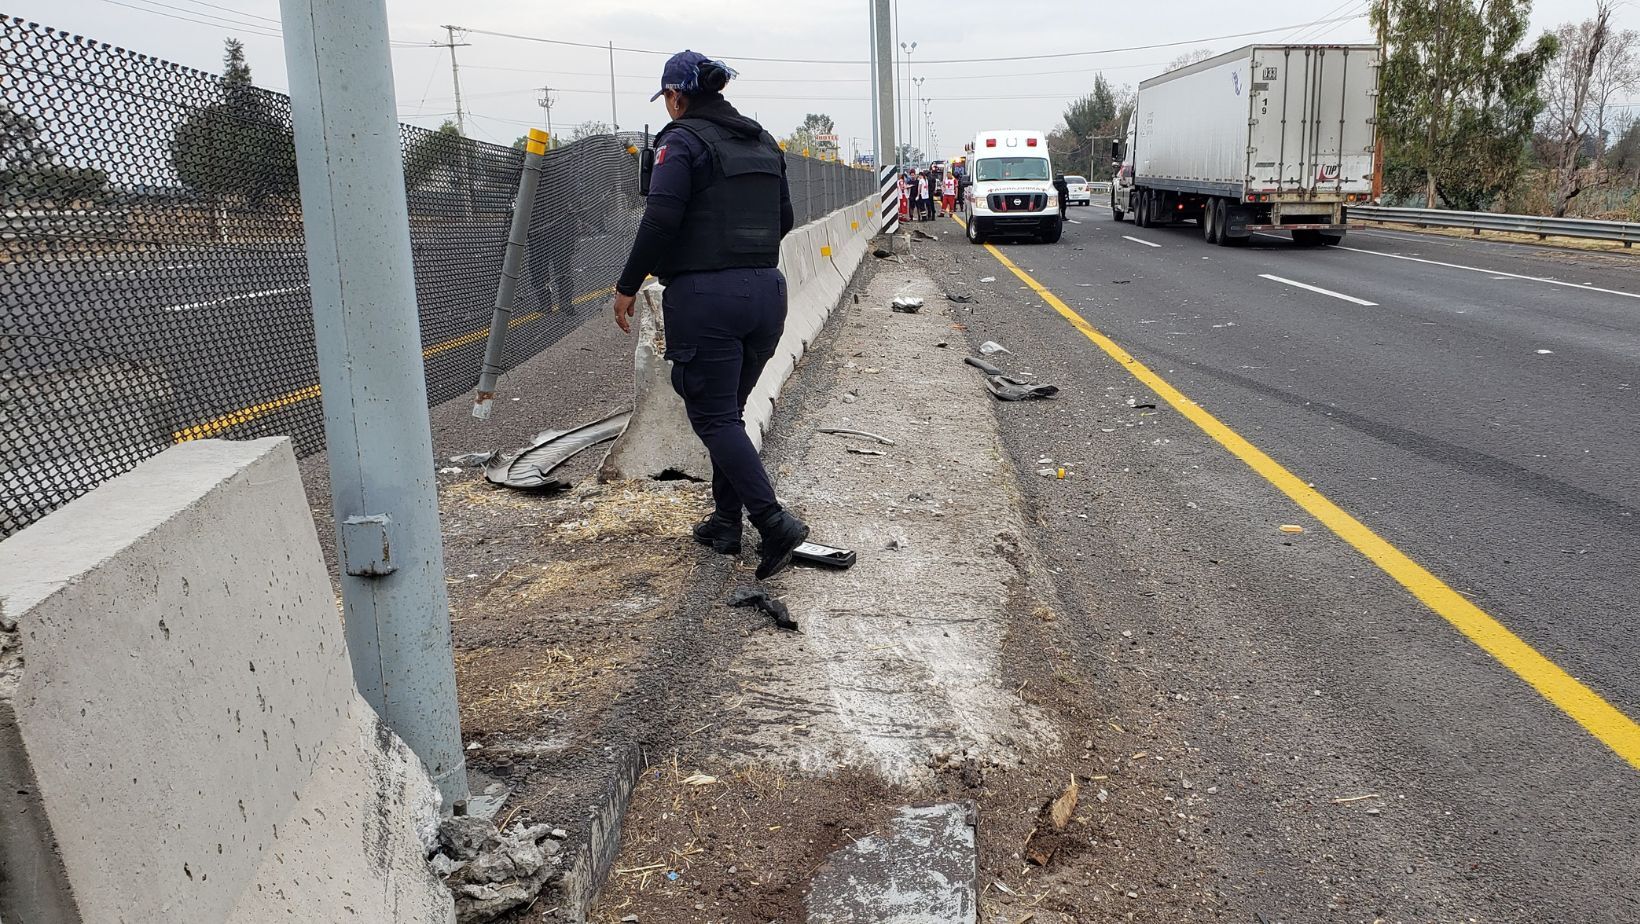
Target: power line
{"type": "Point", "coordinates": [1041, 57]}
{"type": "Point", "coordinates": [249, 28]}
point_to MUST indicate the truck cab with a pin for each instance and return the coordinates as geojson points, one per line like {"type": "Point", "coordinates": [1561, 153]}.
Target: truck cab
{"type": "Point", "coordinates": [1121, 174]}
{"type": "Point", "coordinates": [1010, 191]}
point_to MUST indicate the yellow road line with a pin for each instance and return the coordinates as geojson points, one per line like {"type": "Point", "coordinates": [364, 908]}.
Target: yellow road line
{"type": "Point", "coordinates": [1600, 718]}
{"type": "Point", "coordinates": [236, 417]}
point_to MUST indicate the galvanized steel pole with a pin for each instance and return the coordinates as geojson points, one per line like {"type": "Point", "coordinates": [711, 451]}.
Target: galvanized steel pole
{"type": "Point", "coordinates": [370, 370]}
{"type": "Point", "coordinates": [507, 290]}
{"type": "Point", "coordinates": [887, 166]}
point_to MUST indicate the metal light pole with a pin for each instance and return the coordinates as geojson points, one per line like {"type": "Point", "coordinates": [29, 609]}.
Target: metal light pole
{"type": "Point", "coordinates": [907, 50]}
{"type": "Point", "coordinates": [888, 170]}
{"type": "Point", "coordinates": [918, 116]}
{"type": "Point", "coordinates": [374, 389]}
{"type": "Point", "coordinates": [876, 99]}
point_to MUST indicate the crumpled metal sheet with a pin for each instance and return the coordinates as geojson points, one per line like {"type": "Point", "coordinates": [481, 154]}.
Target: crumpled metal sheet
{"type": "Point", "coordinates": [531, 468]}
{"type": "Point", "coordinates": [1007, 389]}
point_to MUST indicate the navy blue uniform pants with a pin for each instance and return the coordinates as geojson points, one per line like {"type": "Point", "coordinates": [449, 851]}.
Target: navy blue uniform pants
{"type": "Point", "coordinates": [721, 329]}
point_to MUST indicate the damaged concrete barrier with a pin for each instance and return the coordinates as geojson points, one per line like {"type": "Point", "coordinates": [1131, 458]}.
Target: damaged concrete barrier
{"type": "Point", "coordinates": [818, 260]}
{"type": "Point", "coordinates": [180, 735]}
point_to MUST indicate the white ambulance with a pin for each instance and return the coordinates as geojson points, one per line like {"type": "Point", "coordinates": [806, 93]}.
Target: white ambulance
{"type": "Point", "coordinates": [1010, 187]}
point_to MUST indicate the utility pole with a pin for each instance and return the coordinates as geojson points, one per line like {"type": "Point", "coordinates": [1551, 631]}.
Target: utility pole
{"type": "Point", "coordinates": [888, 170]}
{"type": "Point", "coordinates": [1377, 106]}
{"type": "Point", "coordinates": [614, 118]}
{"type": "Point", "coordinates": [373, 385]}
{"type": "Point", "coordinates": [876, 99]}
{"type": "Point", "coordinates": [545, 101]}
{"type": "Point", "coordinates": [910, 112]}
{"type": "Point", "coordinates": [455, 73]}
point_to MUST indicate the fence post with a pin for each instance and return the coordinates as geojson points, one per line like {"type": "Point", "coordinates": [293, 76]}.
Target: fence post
{"type": "Point", "coordinates": [374, 387]}
{"type": "Point", "coordinates": [534, 151]}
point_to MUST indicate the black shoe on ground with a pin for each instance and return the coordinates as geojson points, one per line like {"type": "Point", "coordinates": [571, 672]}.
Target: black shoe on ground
{"type": "Point", "coordinates": [781, 537]}
{"type": "Point", "coordinates": [721, 534]}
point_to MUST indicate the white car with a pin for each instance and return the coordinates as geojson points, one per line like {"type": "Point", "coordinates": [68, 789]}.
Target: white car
{"type": "Point", "coordinates": [1080, 194]}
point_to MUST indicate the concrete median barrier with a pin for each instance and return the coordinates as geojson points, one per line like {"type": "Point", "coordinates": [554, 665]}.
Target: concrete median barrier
{"type": "Point", "coordinates": [818, 260]}
{"type": "Point", "coordinates": [179, 730]}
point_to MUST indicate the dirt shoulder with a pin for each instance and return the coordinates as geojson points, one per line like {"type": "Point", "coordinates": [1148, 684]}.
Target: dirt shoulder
{"type": "Point", "coordinates": [939, 668]}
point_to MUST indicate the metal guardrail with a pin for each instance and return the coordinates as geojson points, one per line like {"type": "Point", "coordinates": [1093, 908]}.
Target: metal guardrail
{"type": "Point", "coordinates": [1628, 232]}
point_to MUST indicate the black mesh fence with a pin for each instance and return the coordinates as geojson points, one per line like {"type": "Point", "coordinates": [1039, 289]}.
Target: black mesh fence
{"type": "Point", "coordinates": [153, 282]}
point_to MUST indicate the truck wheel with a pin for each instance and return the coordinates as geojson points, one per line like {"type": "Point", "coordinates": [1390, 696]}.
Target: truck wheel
{"type": "Point", "coordinates": [1141, 209]}
{"type": "Point", "coordinates": [974, 237]}
{"type": "Point", "coordinates": [1210, 221]}
{"type": "Point", "coordinates": [1051, 234]}
{"type": "Point", "coordinates": [1329, 238]}
{"type": "Point", "coordinates": [1115, 213]}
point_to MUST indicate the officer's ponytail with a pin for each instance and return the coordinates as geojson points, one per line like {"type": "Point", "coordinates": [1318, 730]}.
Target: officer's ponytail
{"type": "Point", "coordinates": [711, 77]}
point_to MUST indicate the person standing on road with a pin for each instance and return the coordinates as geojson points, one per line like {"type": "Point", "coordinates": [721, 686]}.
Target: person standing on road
{"type": "Point", "coordinates": [1064, 190]}
{"type": "Point", "coordinates": [922, 196]}
{"type": "Point", "coordinates": [949, 193]}
{"type": "Point", "coordinates": [718, 208]}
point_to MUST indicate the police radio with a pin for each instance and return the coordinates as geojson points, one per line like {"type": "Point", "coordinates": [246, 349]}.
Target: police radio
{"type": "Point", "coordinates": [646, 163]}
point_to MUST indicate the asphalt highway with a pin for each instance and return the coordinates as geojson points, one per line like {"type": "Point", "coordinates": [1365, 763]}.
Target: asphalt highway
{"type": "Point", "coordinates": [1475, 406]}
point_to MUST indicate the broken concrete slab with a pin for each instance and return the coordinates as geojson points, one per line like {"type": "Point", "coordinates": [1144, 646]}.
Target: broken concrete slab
{"type": "Point", "coordinates": [922, 871]}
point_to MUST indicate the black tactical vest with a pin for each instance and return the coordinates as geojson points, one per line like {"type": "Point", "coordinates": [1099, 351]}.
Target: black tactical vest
{"type": "Point", "coordinates": [734, 221]}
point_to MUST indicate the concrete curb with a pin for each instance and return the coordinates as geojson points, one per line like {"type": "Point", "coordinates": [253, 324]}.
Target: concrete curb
{"type": "Point", "coordinates": [818, 260]}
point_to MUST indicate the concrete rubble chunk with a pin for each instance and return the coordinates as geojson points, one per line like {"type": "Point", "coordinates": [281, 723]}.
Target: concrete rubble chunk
{"type": "Point", "coordinates": [922, 871]}
{"type": "Point", "coordinates": [491, 873]}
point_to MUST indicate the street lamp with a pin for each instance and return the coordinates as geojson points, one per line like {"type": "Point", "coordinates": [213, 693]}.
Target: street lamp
{"type": "Point", "coordinates": [921, 143]}
{"type": "Point", "coordinates": [905, 126]}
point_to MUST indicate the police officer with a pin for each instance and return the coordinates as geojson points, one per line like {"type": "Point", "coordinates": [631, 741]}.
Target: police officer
{"type": "Point", "coordinates": [718, 208]}
{"type": "Point", "coordinates": [1064, 189]}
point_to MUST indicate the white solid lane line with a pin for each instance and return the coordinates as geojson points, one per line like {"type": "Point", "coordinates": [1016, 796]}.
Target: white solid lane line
{"type": "Point", "coordinates": [1494, 273]}
{"type": "Point", "coordinates": [1138, 241]}
{"type": "Point", "coordinates": [1318, 289]}
{"type": "Point", "coordinates": [235, 298]}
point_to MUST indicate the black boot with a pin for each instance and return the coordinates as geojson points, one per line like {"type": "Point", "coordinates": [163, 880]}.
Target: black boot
{"type": "Point", "coordinates": [721, 533]}
{"type": "Point", "coordinates": [782, 534]}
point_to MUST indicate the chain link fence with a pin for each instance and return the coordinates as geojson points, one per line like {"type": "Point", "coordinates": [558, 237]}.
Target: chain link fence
{"type": "Point", "coordinates": [153, 282]}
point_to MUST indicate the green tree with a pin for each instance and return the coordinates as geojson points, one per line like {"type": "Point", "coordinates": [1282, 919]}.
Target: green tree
{"type": "Point", "coordinates": [807, 135]}
{"type": "Point", "coordinates": [31, 171]}
{"type": "Point", "coordinates": [1458, 97]}
{"type": "Point", "coordinates": [238, 148]}
{"type": "Point", "coordinates": [588, 129]}
{"type": "Point", "coordinates": [429, 151]}
{"type": "Point", "coordinates": [1090, 123]}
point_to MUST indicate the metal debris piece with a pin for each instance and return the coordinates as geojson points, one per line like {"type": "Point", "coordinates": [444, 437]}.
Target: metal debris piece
{"type": "Point", "coordinates": [838, 431]}
{"type": "Point", "coordinates": [476, 458]}
{"type": "Point", "coordinates": [982, 365]}
{"type": "Point", "coordinates": [531, 467]}
{"type": "Point", "coordinates": [991, 347]}
{"type": "Point", "coordinates": [906, 304]}
{"type": "Point", "coordinates": [1006, 389]}
{"type": "Point", "coordinates": [961, 298]}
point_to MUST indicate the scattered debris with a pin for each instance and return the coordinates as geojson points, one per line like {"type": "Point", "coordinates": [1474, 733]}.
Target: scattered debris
{"type": "Point", "coordinates": [1120, 282]}
{"type": "Point", "coordinates": [942, 345]}
{"type": "Point", "coordinates": [1348, 799]}
{"type": "Point", "coordinates": [1147, 406]}
{"type": "Point", "coordinates": [451, 470]}
{"type": "Point", "coordinates": [1292, 528]}
{"type": "Point", "coordinates": [960, 298]}
{"type": "Point", "coordinates": [898, 544]}
{"type": "Point", "coordinates": [699, 779]}
{"type": "Point", "coordinates": [476, 458]}
{"type": "Point", "coordinates": [882, 254]}
{"type": "Point", "coordinates": [491, 873]}
{"type": "Point", "coordinates": [1006, 389]}
{"type": "Point", "coordinates": [760, 599]}
{"type": "Point", "coordinates": [991, 348]}
{"type": "Point", "coordinates": [866, 452]}
{"type": "Point", "coordinates": [813, 553]}
{"type": "Point", "coordinates": [839, 431]}
{"type": "Point", "coordinates": [906, 304]}
{"type": "Point", "coordinates": [982, 365]}
{"type": "Point", "coordinates": [920, 235]}
{"type": "Point", "coordinates": [988, 279]}
{"type": "Point", "coordinates": [530, 467]}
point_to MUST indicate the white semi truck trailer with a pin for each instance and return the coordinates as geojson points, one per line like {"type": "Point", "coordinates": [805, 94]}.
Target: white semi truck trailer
{"type": "Point", "coordinates": [1264, 138]}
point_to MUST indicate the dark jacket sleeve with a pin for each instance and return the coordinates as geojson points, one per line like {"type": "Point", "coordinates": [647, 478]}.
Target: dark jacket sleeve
{"type": "Point", "coordinates": [788, 218]}
{"type": "Point", "coordinates": [670, 187]}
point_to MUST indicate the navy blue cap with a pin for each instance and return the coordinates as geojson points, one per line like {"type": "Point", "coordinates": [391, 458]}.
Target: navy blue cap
{"type": "Point", "coordinates": [683, 72]}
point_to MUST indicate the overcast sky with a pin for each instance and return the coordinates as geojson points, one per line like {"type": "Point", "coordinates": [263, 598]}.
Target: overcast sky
{"type": "Point", "coordinates": [500, 77]}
